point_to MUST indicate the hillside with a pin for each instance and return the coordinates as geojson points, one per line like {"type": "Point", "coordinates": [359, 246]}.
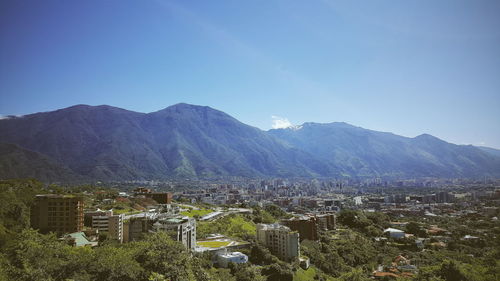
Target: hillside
{"type": "Point", "coordinates": [363, 152]}
{"type": "Point", "coordinates": [189, 141]}
{"type": "Point", "coordinates": [108, 143]}
{"type": "Point", "coordinates": [16, 162]}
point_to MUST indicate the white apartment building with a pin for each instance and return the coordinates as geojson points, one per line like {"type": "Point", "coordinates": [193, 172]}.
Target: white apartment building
{"type": "Point", "coordinates": [280, 240]}
{"type": "Point", "coordinates": [109, 223]}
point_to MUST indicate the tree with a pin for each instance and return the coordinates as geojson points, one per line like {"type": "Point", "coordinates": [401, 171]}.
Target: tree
{"type": "Point", "coordinates": [414, 228]}
{"type": "Point", "coordinates": [450, 271]}
{"type": "Point", "coordinates": [4, 267]}
{"type": "Point", "coordinates": [262, 216]}
{"type": "Point", "coordinates": [16, 197]}
{"type": "Point", "coordinates": [248, 273]}
{"type": "Point", "coordinates": [356, 274]}
{"type": "Point", "coordinates": [278, 272]}
{"type": "Point", "coordinates": [276, 212]}
{"type": "Point", "coordinates": [115, 263]}
{"type": "Point", "coordinates": [158, 253]}
{"type": "Point", "coordinates": [34, 256]}
{"type": "Point", "coordinates": [224, 274]}
{"type": "Point", "coordinates": [354, 219]}
{"type": "Point", "coordinates": [261, 255]}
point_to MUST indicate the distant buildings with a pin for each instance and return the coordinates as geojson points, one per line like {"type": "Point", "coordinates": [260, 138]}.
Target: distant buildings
{"type": "Point", "coordinates": [280, 240]}
{"type": "Point", "coordinates": [397, 198]}
{"type": "Point", "coordinates": [159, 197]}
{"type": "Point", "coordinates": [444, 197]}
{"type": "Point", "coordinates": [57, 213]}
{"type": "Point", "coordinates": [400, 267]}
{"type": "Point", "coordinates": [440, 197]}
{"type": "Point", "coordinates": [395, 233]}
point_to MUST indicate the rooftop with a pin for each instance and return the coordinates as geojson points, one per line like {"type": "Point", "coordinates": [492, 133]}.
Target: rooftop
{"type": "Point", "coordinates": [274, 226]}
{"type": "Point", "coordinates": [232, 255]}
{"type": "Point", "coordinates": [80, 239]}
{"type": "Point", "coordinates": [54, 196]}
{"type": "Point", "coordinates": [390, 229]}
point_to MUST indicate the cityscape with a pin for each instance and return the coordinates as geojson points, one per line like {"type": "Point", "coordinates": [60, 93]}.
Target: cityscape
{"type": "Point", "coordinates": [273, 229]}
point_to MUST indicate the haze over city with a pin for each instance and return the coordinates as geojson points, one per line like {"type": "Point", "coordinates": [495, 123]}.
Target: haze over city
{"type": "Point", "coordinates": [408, 67]}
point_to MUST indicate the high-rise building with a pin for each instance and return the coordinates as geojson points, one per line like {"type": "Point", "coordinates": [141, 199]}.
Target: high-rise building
{"type": "Point", "coordinates": [280, 240]}
{"type": "Point", "coordinates": [326, 221]}
{"type": "Point", "coordinates": [306, 226]}
{"type": "Point", "coordinates": [57, 213]}
{"type": "Point", "coordinates": [309, 225]}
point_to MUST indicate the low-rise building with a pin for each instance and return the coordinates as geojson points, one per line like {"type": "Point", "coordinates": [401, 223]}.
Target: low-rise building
{"type": "Point", "coordinates": [395, 233]}
{"type": "Point", "coordinates": [224, 258]}
{"type": "Point", "coordinates": [183, 228]}
{"type": "Point", "coordinates": [78, 239]}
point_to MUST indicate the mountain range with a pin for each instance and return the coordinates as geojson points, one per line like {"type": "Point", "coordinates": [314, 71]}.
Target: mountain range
{"type": "Point", "coordinates": [187, 141]}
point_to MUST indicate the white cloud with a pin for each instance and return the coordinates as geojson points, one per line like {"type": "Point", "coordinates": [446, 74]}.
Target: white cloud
{"type": "Point", "coordinates": [280, 122]}
{"type": "Point", "coordinates": [9, 116]}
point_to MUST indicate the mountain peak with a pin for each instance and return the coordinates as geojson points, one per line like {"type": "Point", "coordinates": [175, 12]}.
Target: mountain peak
{"type": "Point", "coordinates": [426, 137]}
{"type": "Point", "coordinates": [91, 107]}
{"type": "Point", "coordinates": [186, 110]}
{"type": "Point", "coordinates": [185, 106]}
{"type": "Point", "coordinates": [331, 124]}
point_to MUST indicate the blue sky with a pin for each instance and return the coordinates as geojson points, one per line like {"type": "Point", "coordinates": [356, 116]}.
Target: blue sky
{"type": "Point", "coordinates": [408, 67]}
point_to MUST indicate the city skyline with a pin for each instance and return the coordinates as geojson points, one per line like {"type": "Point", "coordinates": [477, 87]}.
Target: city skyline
{"type": "Point", "coordinates": [411, 68]}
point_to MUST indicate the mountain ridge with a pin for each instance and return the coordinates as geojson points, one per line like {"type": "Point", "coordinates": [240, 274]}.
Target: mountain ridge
{"type": "Point", "coordinates": [183, 140]}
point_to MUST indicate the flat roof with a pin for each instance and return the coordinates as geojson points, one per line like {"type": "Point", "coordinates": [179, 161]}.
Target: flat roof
{"type": "Point", "coordinates": [55, 196]}
{"type": "Point", "coordinates": [392, 230]}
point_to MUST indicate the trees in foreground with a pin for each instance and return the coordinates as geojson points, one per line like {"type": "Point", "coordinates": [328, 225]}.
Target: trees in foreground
{"type": "Point", "coordinates": [34, 256]}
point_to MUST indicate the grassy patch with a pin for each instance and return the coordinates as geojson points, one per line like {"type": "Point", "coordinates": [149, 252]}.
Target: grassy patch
{"type": "Point", "coordinates": [231, 226]}
{"type": "Point", "coordinates": [309, 274]}
{"type": "Point", "coordinates": [305, 275]}
{"type": "Point", "coordinates": [128, 211]}
{"type": "Point", "coordinates": [239, 226]}
{"type": "Point", "coordinates": [200, 213]}
{"type": "Point", "coordinates": [212, 244]}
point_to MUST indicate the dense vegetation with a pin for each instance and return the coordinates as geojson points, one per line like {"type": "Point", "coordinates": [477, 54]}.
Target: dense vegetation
{"type": "Point", "coordinates": [348, 253]}
{"type": "Point", "coordinates": [33, 256]}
